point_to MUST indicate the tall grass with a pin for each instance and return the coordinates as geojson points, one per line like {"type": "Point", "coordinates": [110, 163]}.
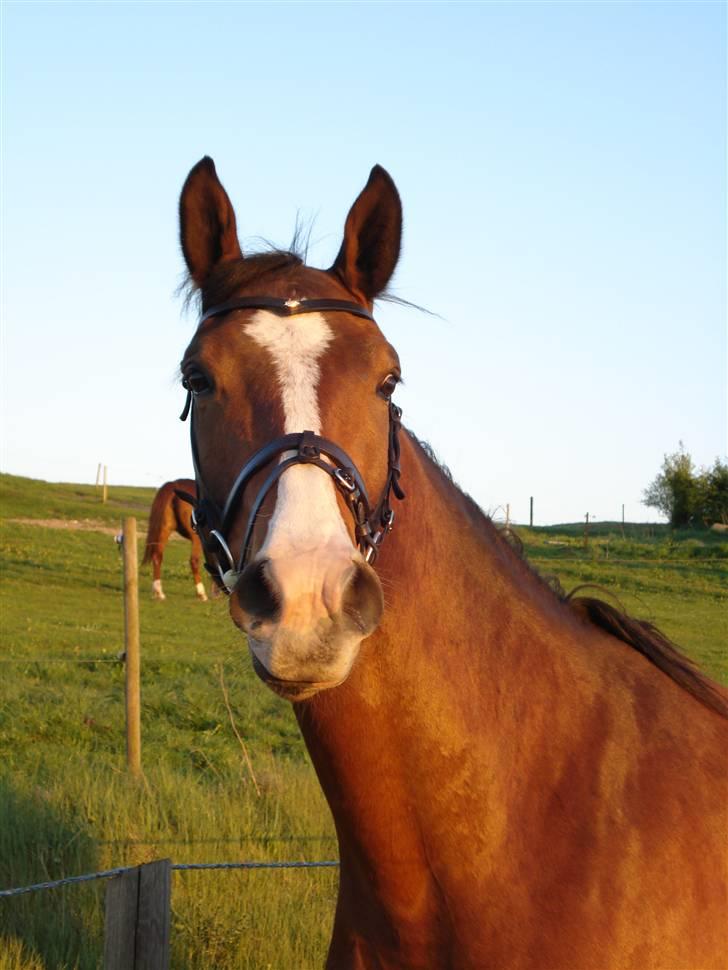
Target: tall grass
{"type": "Point", "coordinates": [55, 823]}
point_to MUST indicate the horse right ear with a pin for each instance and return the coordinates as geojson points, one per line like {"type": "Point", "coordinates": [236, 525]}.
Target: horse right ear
{"type": "Point", "coordinates": [207, 229]}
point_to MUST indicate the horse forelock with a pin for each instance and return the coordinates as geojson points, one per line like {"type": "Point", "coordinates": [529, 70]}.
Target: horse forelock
{"type": "Point", "coordinates": [230, 277]}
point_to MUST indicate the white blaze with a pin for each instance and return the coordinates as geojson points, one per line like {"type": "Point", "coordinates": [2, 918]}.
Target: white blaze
{"type": "Point", "coordinates": [306, 515]}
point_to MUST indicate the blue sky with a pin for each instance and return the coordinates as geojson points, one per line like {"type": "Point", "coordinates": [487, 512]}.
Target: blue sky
{"type": "Point", "coordinates": [562, 170]}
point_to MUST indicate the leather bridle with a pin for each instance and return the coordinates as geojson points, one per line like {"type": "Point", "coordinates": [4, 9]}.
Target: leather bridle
{"type": "Point", "coordinates": [212, 524]}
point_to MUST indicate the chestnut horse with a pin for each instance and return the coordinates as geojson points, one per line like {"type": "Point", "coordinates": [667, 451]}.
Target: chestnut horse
{"type": "Point", "coordinates": [171, 513]}
{"type": "Point", "coordinates": [518, 779]}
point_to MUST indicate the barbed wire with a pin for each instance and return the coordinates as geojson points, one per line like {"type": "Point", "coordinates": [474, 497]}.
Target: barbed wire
{"type": "Point", "coordinates": [179, 866]}
{"type": "Point", "coordinates": [111, 660]}
{"type": "Point", "coordinates": [66, 881]}
{"type": "Point", "coordinates": [60, 660]}
{"type": "Point", "coordinates": [614, 561]}
{"type": "Point", "coordinates": [326, 864]}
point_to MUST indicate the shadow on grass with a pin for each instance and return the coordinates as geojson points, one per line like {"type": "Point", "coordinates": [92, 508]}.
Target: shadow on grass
{"type": "Point", "coordinates": [61, 927]}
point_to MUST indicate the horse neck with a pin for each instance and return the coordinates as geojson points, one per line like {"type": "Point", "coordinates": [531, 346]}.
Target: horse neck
{"type": "Point", "coordinates": [458, 668]}
{"type": "Point", "coordinates": [464, 614]}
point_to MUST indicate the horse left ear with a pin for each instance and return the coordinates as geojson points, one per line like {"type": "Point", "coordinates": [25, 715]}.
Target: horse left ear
{"type": "Point", "coordinates": [207, 228]}
{"type": "Point", "coordinates": [372, 238]}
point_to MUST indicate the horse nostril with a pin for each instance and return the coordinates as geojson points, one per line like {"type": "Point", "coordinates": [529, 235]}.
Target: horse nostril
{"type": "Point", "coordinates": [363, 601]}
{"type": "Point", "coordinates": [258, 594]}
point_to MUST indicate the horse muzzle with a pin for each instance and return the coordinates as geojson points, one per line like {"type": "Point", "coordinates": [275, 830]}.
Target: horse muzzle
{"type": "Point", "coordinates": [305, 617]}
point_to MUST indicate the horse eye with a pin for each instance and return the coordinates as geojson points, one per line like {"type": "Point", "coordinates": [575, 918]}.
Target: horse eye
{"type": "Point", "coordinates": [388, 385]}
{"type": "Point", "coordinates": [197, 382]}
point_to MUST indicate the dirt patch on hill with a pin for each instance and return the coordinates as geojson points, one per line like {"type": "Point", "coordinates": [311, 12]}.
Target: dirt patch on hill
{"type": "Point", "coordinates": [76, 525]}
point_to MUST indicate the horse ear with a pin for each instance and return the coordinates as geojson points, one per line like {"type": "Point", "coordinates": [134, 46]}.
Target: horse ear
{"type": "Point", "coordinates": [206, 222]}
{"type": "Point", "coordinates": [372, 238]}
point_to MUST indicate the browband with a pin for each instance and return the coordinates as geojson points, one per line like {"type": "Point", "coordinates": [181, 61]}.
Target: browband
{"type": "Point", "coordinates": [287, 308]}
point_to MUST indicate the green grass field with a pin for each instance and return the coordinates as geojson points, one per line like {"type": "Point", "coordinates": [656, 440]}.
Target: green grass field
{"type": "Point", "coordinates": [66, 804]}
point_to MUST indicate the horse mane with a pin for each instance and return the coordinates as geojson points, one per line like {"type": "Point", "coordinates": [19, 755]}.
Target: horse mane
{"type": "Point", "coordinates": [641, 635]}
{"type": "Point", "coordinates": [645, 637]}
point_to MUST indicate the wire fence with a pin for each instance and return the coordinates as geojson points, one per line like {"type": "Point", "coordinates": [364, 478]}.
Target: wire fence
{"type": "Point", "coordinates": [61, 660]}
{"type": "Point", "coordinates": [114, 660]}
{"type": "Point", "coordinates": [178, 866]}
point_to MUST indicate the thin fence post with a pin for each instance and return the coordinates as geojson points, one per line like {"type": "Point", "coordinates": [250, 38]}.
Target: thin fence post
{"type": "Point", "coordinates": [98, 475]}
{"type": "Point", "coordinates": [530, 518]}
{"type": "Point", "coordinates": [105, 491]}
{"type": "Point", "coordinates": [131, 636]}
{"type": "Point", "coordinates": [138, 918]}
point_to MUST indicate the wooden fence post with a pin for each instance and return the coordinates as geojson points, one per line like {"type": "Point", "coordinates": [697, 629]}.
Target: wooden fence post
{"type": "Point", "coordinates": [137, 922]}
{"type": "Point", "coordinates": [530, 516]}
{"type": "Point", "coordinates": [105, 490]}
{"type": "Point", "coordinates": [131, 636]}
{"type": "Point", "coordinates": [154, 916]}
{"type": "Point", "coordinates": [122, 897]}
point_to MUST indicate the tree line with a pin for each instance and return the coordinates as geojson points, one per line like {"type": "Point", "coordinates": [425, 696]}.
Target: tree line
{"type": "Point", "coordinates": [687, 495]}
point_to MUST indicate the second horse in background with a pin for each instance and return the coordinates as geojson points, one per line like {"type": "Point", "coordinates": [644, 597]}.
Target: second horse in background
{"type": "Point", "coordinates": [171, 513]}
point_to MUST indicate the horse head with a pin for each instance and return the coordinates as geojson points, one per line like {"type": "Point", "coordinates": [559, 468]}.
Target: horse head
{"type": "Point", "coordinates": [294, 433]}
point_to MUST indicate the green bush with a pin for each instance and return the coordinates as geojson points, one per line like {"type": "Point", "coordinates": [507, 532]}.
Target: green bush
{"type": "Point", "coordinates": [688, 496]}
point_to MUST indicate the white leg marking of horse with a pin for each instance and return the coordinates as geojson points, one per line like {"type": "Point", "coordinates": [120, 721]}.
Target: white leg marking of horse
{"type": "Point", "coordinates": [157, 590]}
{"type": "Point", "coordinates": [306, 515]}
{"type": "Point", "coordinates": [200, 590]}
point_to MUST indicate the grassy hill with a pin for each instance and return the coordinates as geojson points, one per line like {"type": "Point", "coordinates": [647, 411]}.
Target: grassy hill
{"type": "Point", "coordinates": [28, 498]}
{"type": "Point", "coordinates": [66, 804]}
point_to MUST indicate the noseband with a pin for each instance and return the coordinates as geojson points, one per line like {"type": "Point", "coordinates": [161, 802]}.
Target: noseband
{"type": "Point", "coordinates": [213, 525]}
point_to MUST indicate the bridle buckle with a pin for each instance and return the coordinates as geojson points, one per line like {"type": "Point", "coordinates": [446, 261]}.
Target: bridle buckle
{"type": "Point", "coordinates": [345, 479]}
{"type": "Point", "coordinates": [307, 450]}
